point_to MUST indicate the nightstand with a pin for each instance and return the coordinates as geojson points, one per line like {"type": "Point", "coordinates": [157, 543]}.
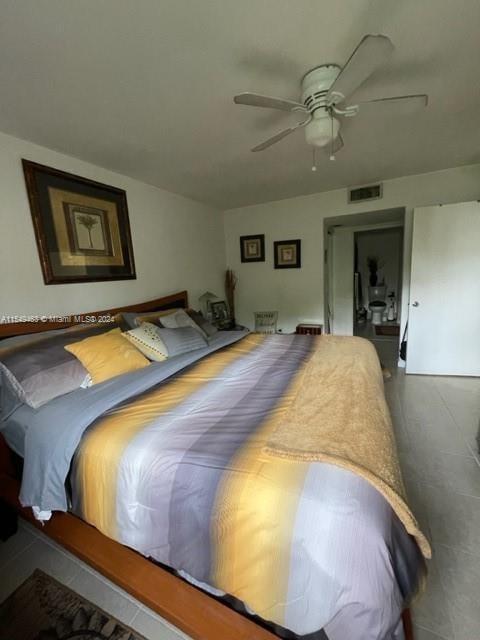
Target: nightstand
{"type": "Point", "coordinates": [309, 329]}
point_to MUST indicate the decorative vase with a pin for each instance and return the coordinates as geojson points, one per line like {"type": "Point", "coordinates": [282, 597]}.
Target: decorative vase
{"type": "Point", "coordinates": [230, 284]}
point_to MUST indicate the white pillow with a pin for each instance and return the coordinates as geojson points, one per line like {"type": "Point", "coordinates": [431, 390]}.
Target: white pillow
{"type": "Point", "coordinates": [147, 340]}
{"type": "Point", "coordinates": [179, 319]}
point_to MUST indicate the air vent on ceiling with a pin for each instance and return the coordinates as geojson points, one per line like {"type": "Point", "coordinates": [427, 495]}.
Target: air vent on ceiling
{"type": "Point", "coordinates": [370, 192]}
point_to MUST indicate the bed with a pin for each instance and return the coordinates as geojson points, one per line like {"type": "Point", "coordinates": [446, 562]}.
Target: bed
{"type": "Point", "coordinates": [211, 466]}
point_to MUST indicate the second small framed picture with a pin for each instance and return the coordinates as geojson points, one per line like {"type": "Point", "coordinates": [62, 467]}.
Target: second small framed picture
{"type": "Point", "coordinates": [252, 248]}
{"type": "Point", "coordinates": [220, 316]}
{"type": "Point", "coordinates": [287, 254]}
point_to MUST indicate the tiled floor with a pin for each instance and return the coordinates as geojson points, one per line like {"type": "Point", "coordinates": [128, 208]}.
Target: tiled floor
{"type": "Point", "coordinates": [30, 549]}
{"type": "Point", "coordinates": [436, 420]}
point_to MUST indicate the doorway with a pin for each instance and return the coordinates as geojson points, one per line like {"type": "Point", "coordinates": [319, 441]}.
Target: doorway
{"type": "Point", "coordinates": [378, 262]}
{"type": "Point", "coordinates": [358, 247]}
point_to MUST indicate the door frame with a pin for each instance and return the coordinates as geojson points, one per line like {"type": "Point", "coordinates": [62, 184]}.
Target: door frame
{"type": "Point", "coordinates": [353, 223]}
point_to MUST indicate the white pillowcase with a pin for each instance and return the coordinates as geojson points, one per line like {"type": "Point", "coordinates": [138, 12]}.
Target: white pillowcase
{"type": "Point", "coordinates": [179, 319]}
{"type": "Point", "coordinates": [146, 339]}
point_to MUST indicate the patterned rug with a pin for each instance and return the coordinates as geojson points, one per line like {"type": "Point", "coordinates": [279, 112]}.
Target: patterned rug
{"type": "Point", "coordinates": [43, 609]}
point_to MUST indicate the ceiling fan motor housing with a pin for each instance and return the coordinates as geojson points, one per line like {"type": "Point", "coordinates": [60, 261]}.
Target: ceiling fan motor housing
{"type": "Point", "coordinates": [315, 85]}
{"type": "Point", "coordinates": [323, 128]}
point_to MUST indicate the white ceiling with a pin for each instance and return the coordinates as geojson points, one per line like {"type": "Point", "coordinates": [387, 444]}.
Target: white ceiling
{"type": "Point", "coordinates": [145, 88]}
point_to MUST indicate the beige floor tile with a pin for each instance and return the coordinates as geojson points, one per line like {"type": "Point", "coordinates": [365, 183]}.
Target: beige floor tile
{"type": "Point", "coordinates": [154, 627]}
{"type": "Point", "coordinates": [424, 634]}
{"type": "Point", "coordinates": [454, 518]}
{"type": "Point", "coordinates": [38, 555]}
{"type": "Point", "coordinates": [104, 596]}
{"type": "Point", "coordinates": [437, 434]}
{"type": "Point", "coordinates": [463, 403]}
{"type": "Point", "coordinates": [460, 574]}
{"type": "Point", "coordinates": [15, 545]}
{"type": "Point", "coordinates": [449, 471]}
{"type": "Point", "coordinates": [410, 463]}
{"type": "Point", "coordinates": [431, 610]}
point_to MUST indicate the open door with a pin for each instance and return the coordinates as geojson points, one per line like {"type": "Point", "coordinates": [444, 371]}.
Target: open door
{"type": "Point", "coordinates": [444, 310]}
{"type": "Point", "coordinates": [342, 282]}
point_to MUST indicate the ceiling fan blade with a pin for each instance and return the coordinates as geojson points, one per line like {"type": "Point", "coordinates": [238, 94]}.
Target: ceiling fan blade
{"type": "Point", "coordinates": [274, 139]}
{"type": "Point", "coordinates": [369, 54]}
{"type": "Point", "coordinates": [415, 101]}
{"type": "Point", "coordinates": [257, 100]}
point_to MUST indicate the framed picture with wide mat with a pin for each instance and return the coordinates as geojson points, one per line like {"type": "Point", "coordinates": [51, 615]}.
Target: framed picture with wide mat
{"type": "Point", "coordinates": [81, 227]}
{"type": "Point", "coordinates": [287, 254]}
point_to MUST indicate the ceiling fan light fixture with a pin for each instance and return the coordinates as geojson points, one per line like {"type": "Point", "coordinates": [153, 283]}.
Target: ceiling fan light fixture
{"type": "Point", "coordinates": [322, 129]}
{"type": "Point", "coordinates": [326, 92]}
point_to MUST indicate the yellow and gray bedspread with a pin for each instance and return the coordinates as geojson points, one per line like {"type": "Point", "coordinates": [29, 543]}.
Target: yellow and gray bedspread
{"type": "Point", "coordinates": [237, 472]}
{"type": "Point", "coordinates": [188, 473]}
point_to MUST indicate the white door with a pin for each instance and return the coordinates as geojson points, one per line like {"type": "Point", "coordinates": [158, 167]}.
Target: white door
{"type": "Point", "coordinates": [444, 311]}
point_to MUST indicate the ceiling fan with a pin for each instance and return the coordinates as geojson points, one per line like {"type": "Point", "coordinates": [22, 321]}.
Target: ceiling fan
{"type": "Point", "coordinates": [325, 91]}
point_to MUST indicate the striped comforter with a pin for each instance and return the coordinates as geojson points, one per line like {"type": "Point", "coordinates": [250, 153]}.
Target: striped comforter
{"type": "Point", "coordinates": [180, 473]}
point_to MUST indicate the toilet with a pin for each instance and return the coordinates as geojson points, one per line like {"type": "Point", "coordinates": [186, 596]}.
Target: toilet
{"type": "Point", "coordinates": [377, 304]}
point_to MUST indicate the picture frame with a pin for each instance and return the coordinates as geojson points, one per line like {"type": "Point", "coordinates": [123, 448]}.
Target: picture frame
{"type": "Point", "coordinates": [287, 254]}
{"type": "Point", "coordinates": [82, 227]}
{"type": "Point", "coordinates": [220, 314]}
{"type": "Point", "coordinates": [252, 248]}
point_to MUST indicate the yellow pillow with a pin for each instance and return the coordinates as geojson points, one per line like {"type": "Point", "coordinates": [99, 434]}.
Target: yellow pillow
{"type": "Point", "coordinates": [107, 355]}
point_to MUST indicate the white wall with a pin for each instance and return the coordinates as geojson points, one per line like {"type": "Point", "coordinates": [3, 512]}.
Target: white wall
{"type": "Point", "coordinates": [298, 293]}
{"type": "Point", "coordinates": [178, 243]}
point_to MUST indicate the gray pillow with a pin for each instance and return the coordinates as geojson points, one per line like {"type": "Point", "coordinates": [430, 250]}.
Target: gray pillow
{"type": "Point", "coordinates": [128, 320]}
{"type": "Point", "coordinates": [181, 340]}
{"type": "Point", "coordinates": [206, 326]}
{"type": "Point", "coordinates": [132, 319]}
{"type": "Point", "coordinates": [39, 370]}
{"type": "Point", "coordinates": [25, 338]}
{"type": "Point", "coordinates": [180, 319]}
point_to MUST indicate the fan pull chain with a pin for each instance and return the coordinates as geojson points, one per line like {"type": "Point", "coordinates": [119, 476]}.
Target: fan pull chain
{"type": "Point", "coordinates": [332, 152]}
{"type": "Point", "coordinates": [314, 163]}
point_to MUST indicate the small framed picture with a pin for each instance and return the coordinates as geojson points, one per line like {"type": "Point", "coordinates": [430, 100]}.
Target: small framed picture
{"type": "Point", "coordinates": [287, 254]}
{"type": "Point", "coordinates": [252, 248]}
{"type": "Point", "coordinates": [220, 315]}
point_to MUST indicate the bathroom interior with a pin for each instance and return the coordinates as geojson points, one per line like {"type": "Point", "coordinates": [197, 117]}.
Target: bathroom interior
{"type": "Point", "coordinates": [378, 283]}
{"type": "Point", "coordinates": [363, 278]}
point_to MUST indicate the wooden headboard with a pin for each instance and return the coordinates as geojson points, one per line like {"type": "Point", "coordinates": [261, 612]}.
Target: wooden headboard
{"type": "Point", "coordinates": [47, 323]}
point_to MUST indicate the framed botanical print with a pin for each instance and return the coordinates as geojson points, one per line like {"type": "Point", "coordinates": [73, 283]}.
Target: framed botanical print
{"type": "Point", "coordinates": [287, 254]}
{"type": "Point", "coordinates": [81, 227]}
{"type": "Point", "coordinates": [252, 248]}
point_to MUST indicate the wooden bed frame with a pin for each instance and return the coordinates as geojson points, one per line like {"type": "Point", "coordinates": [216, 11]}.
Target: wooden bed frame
{"type": "Point", "coordinates": [193, 611]}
